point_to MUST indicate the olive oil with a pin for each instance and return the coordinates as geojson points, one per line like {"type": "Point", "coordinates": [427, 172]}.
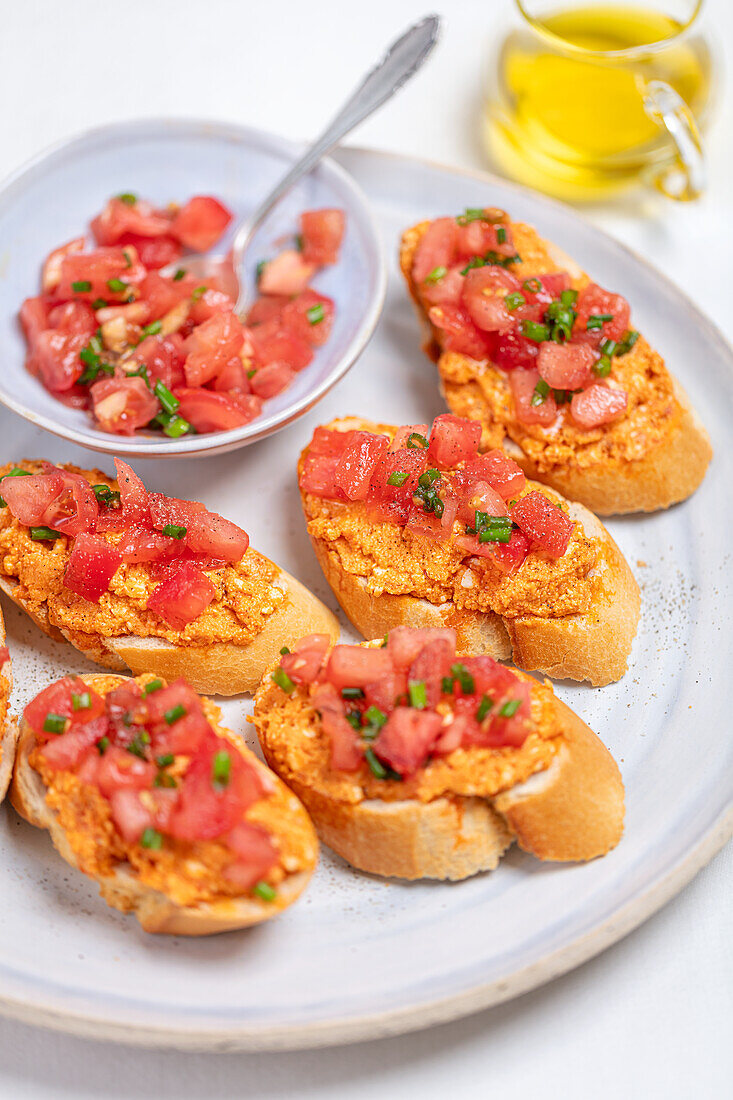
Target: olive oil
{"type": "Point", "coordinates": [570, 117]}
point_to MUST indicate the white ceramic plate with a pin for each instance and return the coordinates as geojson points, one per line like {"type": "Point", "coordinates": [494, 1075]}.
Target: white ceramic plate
{"type": "Point", "coordinates": [53, 199]}
{"type": "Point", "coordinates": [359, 957]}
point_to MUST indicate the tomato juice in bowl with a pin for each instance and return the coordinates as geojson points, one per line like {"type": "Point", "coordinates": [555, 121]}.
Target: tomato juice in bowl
{"type": "Point", "coordinates": [54, 198]}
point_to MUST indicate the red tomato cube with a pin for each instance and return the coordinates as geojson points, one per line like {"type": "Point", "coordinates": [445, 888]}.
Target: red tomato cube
{"type": "Point", "coordinates": [322, 232]}
{"type": "Point", "coordinates": [453, 440]}
{"type": "Point", "coordinates": [92, 564]}
{"type": "Point", "coordinates": [200, 223]}
{"type": "Point", "coordinates": [543, 522]}
{"type": "Point", "coordinates": [357, 464]}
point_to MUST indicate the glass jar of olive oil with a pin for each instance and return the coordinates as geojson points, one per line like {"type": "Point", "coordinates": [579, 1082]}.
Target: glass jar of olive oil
{"type": "Point", "coordinates": [585, 100]}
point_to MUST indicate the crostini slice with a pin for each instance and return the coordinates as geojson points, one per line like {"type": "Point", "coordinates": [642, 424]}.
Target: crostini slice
{"type": "Point", "coordinates": [141, 581]}
{"type": "Point", "coordinates": [416, 761]}
{"type": "Point", "coordinates": [175, 818]}
{"type": "Point", "coordinates": [547, 361]}
{"type": "Point", "coordinates": [8, 725]}
{"type": "Point", "coordinates": [412, 527]}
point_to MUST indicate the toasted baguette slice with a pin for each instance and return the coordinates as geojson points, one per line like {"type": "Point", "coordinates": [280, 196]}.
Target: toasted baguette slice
{"type": "Point", "coordinates": [572, 811]}
{"type": "Point", "coordinates": [155, 911]}
{"type": "Point", "coordinates": [592, 646]}
{"type": "Point", "coordinates": [219, 668]}
{"type": "Point", "coordinates": [8, 725]}
{"type": "Point", "coordinates": [608, 470]}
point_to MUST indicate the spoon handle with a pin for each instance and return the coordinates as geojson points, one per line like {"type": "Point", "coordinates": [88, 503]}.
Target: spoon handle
{"type": "Point", "coordinates": [401, 61]}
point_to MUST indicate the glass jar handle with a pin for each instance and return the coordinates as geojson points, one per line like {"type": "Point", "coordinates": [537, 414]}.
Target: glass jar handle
{"type": "Point", "coordinates": [686, 179]}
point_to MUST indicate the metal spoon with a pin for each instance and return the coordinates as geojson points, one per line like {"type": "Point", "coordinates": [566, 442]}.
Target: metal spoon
{"type": "Point", "coordinates": [401, 61]}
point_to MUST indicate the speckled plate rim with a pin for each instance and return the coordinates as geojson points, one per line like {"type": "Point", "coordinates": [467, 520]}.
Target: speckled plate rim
{"type": "Point", "coordinates": [87, 1021]}
{"type": "Point", "coordinates": [219, 442]}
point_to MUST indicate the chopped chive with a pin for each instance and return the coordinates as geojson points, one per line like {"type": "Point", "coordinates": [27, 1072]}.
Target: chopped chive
{"type": "Point", "coordinates": [99, 303]}
{"type": "Point", "coordinates": [116, 285]}
{"type": "Point", "coordinates": [597, 320]}
{"type": "Point", "coordinates": [628, 342]}
{"type": "Point", "coordinates": [82, 701]}
{"type": "Point", "coordinates": [264, 891]}
{"type": "Point", "coordinates": [476, 261]}
{"type": "Point", "coordinates": [252, 373]}
{"type": "Point", "coordinates": [515, 300]}
{"type": "Point", "coordinates": [284, 650]}
{"type": "Point", "coordinates": [81, 286]}
{"type": "Point", "coordinates": [374, 716]}
{"type": "Point", "coordinates": [152, 685]}
{"type": "Point", "coordinates": [470, 214]}
{"type": "Point", "coordinates": [164, 760]}
{"type": "Point", "coordinates": [446, 685]}
{"type": "Point", "coordinates": [198, 292]}
{"type": "Point", "coordinates": [532, 286]}
{"type": "Point", "coordinates": [602, 368]}
{"type": "Point", "coordinates": [105, 495]}
{"type": "Point", "coordinates": [426, 480]}
{"type": "Point", "coordinates": [540, 392]}
{"type": "Point", "coordinates": [484, 707]}
{"type": "Point", "coordinates": [510, 708]}
{"type": "Point", "coordinates": [399, 477]}
{"type": "Point", "coordinates": [315, 314]}
{"type": "Point", "coordinates": [283, 681]}
{"type": "Point", "coordinates": [415, 440]}
{"type": "Point", "coordinates": [102, 745]}
{"type": "Point", "coordinates": [501, 235]}
{"type": "Point", "coordinates": [128, 197]}
{"type": "Point", "coordinates": [259, 270]}
{"type": "Point", "coordinates": [464, 678]}
{"type": "Point", "coordinates": [15, 472]}
{"type": "Point", "coordinates": [221, 769]}
{"type": "Point", "coordinates": [164, 779]}
{"type": "Point", "coordinates": [179, 275]}
{"type": "Point", "coordinates": [174, 530]}
{"type": "Point", "coordinates": [151, 838]}
{"type": "Point", "coordinates": [534, 331]}
{"type": "Point", "coordinates": [418, 694]}
{"type": "Point", "coordinates": [54, 723]}
{"type": "Point", "coordinates": [138, 743]}
{"type": "Point", "coordinates": [128, 258]}
{"type": "Point", "coordinates": [176, 712]}
{"type": "Point", "coordinates": [376, 767]}
{"type": "Point", "coordinates": [152, 329]}
{"type": "Point", "coordinates": [352, 693]}
{"type": "Point", "coordinates": [354, 720]}
{"type": "Point", "coordinates": [173, 425]}
{"type": "Point", "coordinates": [436, 275]}
{"type": "Point", "coordinates": [168, 400]}
{"type": "Point", "coordinates": [568, 297]}
{"type": "Point", "coordinates": [299, 242]}
{"type": "Point", "coordinates": [44, 534]}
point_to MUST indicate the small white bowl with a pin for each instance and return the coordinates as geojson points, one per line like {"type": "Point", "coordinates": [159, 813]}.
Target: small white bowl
{"type": "Point", "coordinates": [53, 199]}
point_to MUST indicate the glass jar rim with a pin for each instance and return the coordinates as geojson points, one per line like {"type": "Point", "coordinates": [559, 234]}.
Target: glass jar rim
{"type": "Point", "coordinates": [563, 44]}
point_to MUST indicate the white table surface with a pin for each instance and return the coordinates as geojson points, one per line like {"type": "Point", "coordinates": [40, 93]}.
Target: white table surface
{"type": "Point", "coordinates": [652, 1016]}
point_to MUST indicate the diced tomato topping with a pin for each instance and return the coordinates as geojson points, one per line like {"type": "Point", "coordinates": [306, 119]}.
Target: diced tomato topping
{"type": "Point", "coordinates": [326, 441]}
{"type": "Point", "coordinates": [551, 287]}
{"type": "Point", "coordinates": [598, 404]}
{"type": "Point", "coordinates": [69, 749]}
{"type": "Point", "coordinates": [99, 269]}
{"type": "Point", "coordinates": [346, 751]}
{"type": "Point", "coordinates": [358, 462]}
{"type": "Point", "coordinates": [322, 232]}
{"type": "Point", "coordinates": [163, 360]}
{"type": "Point", "coordinates": [355, 666]}
{"type": "Point", "coordinates": [122, 405]}
{"type": "Point", "coordinates": [92, 564]}
{"type": "Point", "coordinates": [304, 662]}
{"type": "Point", "coordinates": [482, 498]}
{"type": "Point", "coordinates": [133, 494]}
{"type": "Point", "coordinates": [206, 810]}
{"type": "Point", "coordinates": [216, 412]}
{"type": "Point", "coordinates": [119, 769]}
{"type": "Point", "coordinates": [130, 815]}
{"type": "Point", "coordinates": [200, 223]}
{"type": "Point", "coordinates": [310, 316]}
{"type": "Point", "coordinates": [288, 273]}
{"type": "Point", "coordinates": [267, 307]}
{"type": "Point", "coordinates": [256, 854]}
{"type": "Point", "coordinates": [405, 642]}
{"type": "Point", "coordinates": [119, 218]}
{"type": "Point", "coordinates": [208, 304]}
{"type": "Point", "coordinates": [153, 252]}
{"type": "Point", "coordinates": [273, 342]}
{"type": "Point", "coordinates": [460, 334]}
{"type": "Point", "coordinates": [34, 320]}
{"type": "Point", "coordinates": [210, 347]}
{"type": "Point", "coordinates": [594, 301]}
{"type": "Point", "coordinates": [407, 738]}
{"type": "Point", "coordinates": [403, 434]}
{"type": "Point", "coordinates": [453, 439]}
{"type": "Point", "coordinates": [318, 476]}
{"type": "Point", "coordinates": [436, 248]}
{"type": "Point", "coordinates": [55, 350]}
{"type": "Point", "coordinates": [501, 472]}
{"type": "Point", "coordinates": [432, 663]}
{"type": "Point", "coordinates": [57, 699]}
{"type": "Point", "coordinates": [523, 386]}
{"type": "Point", "coordinates": [512, 351]}
{"type": "Point", "coordinates": [163, 294]}
{"type": "Point", "coordinates": [483, 296]}
{"type": "Point", "coordinates": [396, 478]}
{"type": "Point", "coordinates": [444, 289]}
{"type": "Point", "coordinates": [565, 366]}
{"type": "Point", "coordinates": [271, 379]}
{"type": "Point", "coordinates": [384, 693]}
{"type": "Point", "coordinates": [544, 522]}
{"type": "Point", "coordinates": [510, 555]}
{"type": "Point", "coordinates": [428, 525]}
{"type": "Point", "coordinates": [479, 237]}
{"type": "Point", "coordinates": [182, 596]}
{"type": "Point", "coordinates": [232, 377]}
{"type": "Point", "coordinates": [51, 274]}
{"type": "Point", "coordinates": [184, 733]}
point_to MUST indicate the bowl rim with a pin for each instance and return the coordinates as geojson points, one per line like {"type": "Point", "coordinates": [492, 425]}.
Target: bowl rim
{"type": "Point", "coordinates": [213, 443]}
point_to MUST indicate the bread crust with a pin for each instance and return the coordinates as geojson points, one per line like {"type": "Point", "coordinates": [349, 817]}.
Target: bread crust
{"type": "Point", "coordinates": [222, 668]}
{"type": "Point", "coordinates": [593, 646]}
{"type": "Point", "coordinates": [154, 910]}
{"type": "Point", "coordinates": [667, 473]}
{"type": "Point", "coordinates": [573, 811]}
{"type": "Point", "coordinates": [9, 733]}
